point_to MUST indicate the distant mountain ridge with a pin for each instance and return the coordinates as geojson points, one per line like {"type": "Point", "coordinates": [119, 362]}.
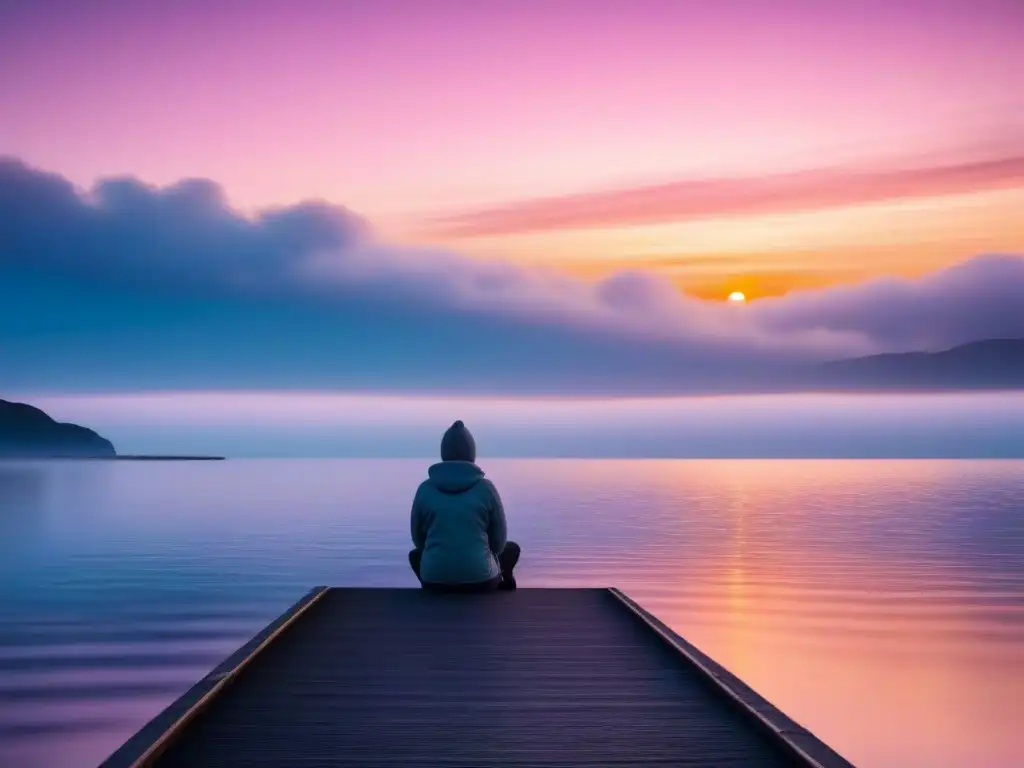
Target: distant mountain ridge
{"type": "Point", "coordinates": [28, 432]}
{"type": "Point", "coordinates": [989, 364]}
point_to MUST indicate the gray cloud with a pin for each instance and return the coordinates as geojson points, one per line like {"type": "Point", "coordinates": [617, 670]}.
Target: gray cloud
{"type": "Point", "coordinates": [128, 285]}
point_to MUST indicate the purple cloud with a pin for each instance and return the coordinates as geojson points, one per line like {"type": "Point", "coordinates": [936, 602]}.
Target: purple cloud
{"type": "Point", "coordinates": [982, 298]}
{"type": "Point", "coordinates": [158, 286]}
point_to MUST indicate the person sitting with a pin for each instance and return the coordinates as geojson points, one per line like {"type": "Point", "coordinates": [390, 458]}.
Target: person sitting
{"type": "Point", "coordinates": [458, 524]}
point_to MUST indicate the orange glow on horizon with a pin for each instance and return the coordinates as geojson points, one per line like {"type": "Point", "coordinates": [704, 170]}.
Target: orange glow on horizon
{"type": "Point", "coordinates": [765, 256]}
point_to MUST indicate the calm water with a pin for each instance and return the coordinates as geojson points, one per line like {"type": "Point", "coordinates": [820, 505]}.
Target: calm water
{"type": "Point", "coordinates": [881, 603]}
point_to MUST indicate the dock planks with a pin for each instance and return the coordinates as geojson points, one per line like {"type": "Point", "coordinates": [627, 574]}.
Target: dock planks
{"type": "Point", "coordinates": [536, 677]}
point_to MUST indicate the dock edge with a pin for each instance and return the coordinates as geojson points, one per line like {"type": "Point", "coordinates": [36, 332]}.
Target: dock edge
{"type": "Point", "coordinates": [158, 734]}
{"type": "Point", "coordinates": [797, 740]}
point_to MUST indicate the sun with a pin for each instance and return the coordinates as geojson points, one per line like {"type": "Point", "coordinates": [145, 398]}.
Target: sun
{"type": "Point", "coordinates": [737, 296]}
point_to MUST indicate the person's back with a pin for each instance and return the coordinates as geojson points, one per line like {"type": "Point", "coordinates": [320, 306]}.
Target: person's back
{"type": "Point", "coordinates": [458, 522]}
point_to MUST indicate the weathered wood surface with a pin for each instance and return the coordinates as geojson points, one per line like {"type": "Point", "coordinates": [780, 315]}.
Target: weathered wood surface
{"type": "Point", "coordinates": [535, 677]}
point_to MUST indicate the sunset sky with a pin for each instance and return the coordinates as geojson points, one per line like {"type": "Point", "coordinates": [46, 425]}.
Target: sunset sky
{"type": "Point", "coordinates": [515, 199]}
{"type": "Point", "coordinates": [746, 146]}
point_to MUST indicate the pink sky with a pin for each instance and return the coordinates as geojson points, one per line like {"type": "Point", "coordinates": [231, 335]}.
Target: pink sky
{"type": "Point", "coordinates": [409, 111]}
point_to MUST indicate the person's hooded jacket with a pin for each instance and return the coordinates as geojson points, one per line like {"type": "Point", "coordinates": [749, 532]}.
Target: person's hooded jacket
{"type": "Point", "coordinates": [457, 518]}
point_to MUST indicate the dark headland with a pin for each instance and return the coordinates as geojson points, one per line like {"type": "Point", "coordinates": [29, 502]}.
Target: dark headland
{"type": "Point", "coordinates": [26, 432]}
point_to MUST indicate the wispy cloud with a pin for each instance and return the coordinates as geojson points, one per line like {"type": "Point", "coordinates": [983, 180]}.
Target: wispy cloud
{"type": "Point", "coordinates": [128, 286]}
{"type": "Point", "coordinates": [687, 199]}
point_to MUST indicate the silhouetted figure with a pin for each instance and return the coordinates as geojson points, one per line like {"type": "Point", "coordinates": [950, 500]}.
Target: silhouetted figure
{"type": "Point", "coordinates": [458, 524]}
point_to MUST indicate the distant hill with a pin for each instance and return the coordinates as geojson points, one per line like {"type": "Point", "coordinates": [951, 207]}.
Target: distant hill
{"type": "Point", "coordinates": [991, 364]}
{"type": "Point", "coordinates": [27, 432]}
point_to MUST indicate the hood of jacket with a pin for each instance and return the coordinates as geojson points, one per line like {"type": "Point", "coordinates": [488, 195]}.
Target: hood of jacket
{"type": "Point", "coordinates": [455, 476]}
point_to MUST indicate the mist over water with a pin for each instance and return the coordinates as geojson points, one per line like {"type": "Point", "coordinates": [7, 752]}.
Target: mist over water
{"type": "Point", "coordinates": [276, 424]}
{"type": "Point", "coordinates": [880, 603]}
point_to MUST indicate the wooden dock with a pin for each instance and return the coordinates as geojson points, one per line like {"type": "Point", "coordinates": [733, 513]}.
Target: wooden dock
{"type": "Point", "coordinates": [535, 677]}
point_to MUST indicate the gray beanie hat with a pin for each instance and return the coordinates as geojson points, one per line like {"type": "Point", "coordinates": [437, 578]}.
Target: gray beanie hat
{"type": "Point", "coordinates": [458, 444]}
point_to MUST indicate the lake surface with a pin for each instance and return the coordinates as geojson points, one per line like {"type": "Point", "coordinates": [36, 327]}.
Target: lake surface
{"type": "Point", "coordinates": [880, 603]}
